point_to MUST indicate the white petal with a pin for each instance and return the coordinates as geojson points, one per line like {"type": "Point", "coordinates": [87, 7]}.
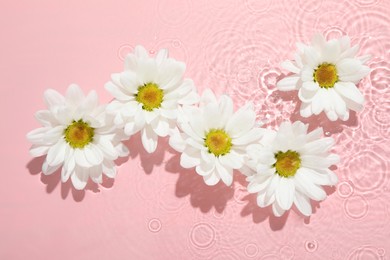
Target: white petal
{"type": "Point", "coordinates": [319, 162]}
{"type": "Point", "coordinates": [278, 211]}
{"type": "Point", "coordinates": [262, 202]}
{"type": "Point", "coordinates": [305, 109]}
{"type": "Point", "coordinates": [56, 153]}
{"type": "Point", "coordinates": [53, 98]}
{"type": "Point", "coordinates": [259, 184]}
{"type": "Point", "coordinates": [79, 178]}
{"type": "Point", "coordinates": [284, 193]}
{"type": "Point", "coordinates": [205, 168]}
{"type": "Point", "coordinates": [354, 99]}
{"type": "Point", "coordinates": [47, 169]}
{"type": "Point", "coordinates": [307, 187]}
{"type": "Point", "coordinates": [109, 169]}
{"type": "Point", "coordinates": [140, 52]}
{"type": "Point", "coordinates": [207, 98]}
{"type": "Point", "coordinates": [288, 65]}
{"type": "Point", "coordinates": [105, 145]}
{"type": "Point", "coordinates": [161, 127]}
{"type": "Point", "coordinates": [253, 135]}
{"type": "Point", "coordinates": [116, 91]}
{"type": "Point", "coordinates": [149, 139]}
{"type": "Point", "coordinates": [38, 150]}
{"type": "Point", "coordinates": [74, 95]}
{"type": "Point", "coordinates": [288, 83]}
{"type": "Point", "coordinates": [190, 158]}
{"type": "Point", "coordinates": [302, 203]}
{"type": "Point", "coordinates": [65, 174]}
{"type": "Point", "coordinates": [311, 57]}
{"type": "Point", "coordinates": [36, 136]}
{"type": "Point", "coordinates": [320, 101]}
{"type": "Point", "coordinates": [93, 154]}
{"type": "Point", "coordinates": [225, 173]}
{"type": "Point", "coordinates": [80, 159]}
{"type": "Point", "coordinates": [176, 140]}
{"type": "Point", "coordinates": [241, 122]}
{"type": "Point", "coordinates": [331, 51]}
{"type": "Point", "coordinates": [161, 56]}
{"type": "Point", "coordinates": [231, 160]}
{"type": "Point", "coordinates": [211, 179]}
{"type": "Point", "coordinates": [318, 146]}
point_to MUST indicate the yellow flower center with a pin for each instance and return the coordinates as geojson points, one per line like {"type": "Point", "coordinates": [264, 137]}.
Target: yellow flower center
{"type": "Point", "coordinates": [79, 134]}
{"type": "Point", "coordinates": [287, 163]}
{"type": "Point", "coordinates": [326, 75]}
{"type": "Point", "coordinates": [150, 96]}
{"type": "Point", "coordinates": [218, 142]}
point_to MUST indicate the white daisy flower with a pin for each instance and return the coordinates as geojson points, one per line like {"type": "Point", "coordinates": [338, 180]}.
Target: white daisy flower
{"type": "Point", "coordinates": [291, 166]}
{"type": "Point", "coordinates": [147, 95]}
{"type": "Point", "coordinates": [326, 74]}
{"type": "Point", "coordinates": [77, 136]}
{"type": "Point", "coordinates": [214, 137]}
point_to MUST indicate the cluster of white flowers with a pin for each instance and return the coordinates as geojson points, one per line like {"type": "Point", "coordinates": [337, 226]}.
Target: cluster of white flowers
{"type": "Point", "coordinates": [286, 167]}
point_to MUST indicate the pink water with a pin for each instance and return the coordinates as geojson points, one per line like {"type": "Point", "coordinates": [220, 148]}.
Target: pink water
{"type": "Point", "coordinates": [154, 209]}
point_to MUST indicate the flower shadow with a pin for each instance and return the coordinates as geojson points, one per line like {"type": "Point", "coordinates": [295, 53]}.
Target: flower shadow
{"type": "Point", "coordinates": [201, 195]}
{"type": "Point", "coordinates": [53, 180]}
{"type": "Point", "coordinates": [277, 223]}
{"type": "Point", "coordinates": [315, 121]}
{"type": "Point", "coordinates": [262, 214]}
{"type": "Point", "coordinates": [148, 160]}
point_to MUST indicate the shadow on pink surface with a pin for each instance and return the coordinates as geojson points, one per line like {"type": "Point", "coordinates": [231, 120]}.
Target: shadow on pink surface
{"type": "Point", "coordinates": [148, 160]}
{"type": "Point", "coordinates": [277, 223]}
{"type": "Point", "coordinates": [201, 195]}
{"type": "Point", "coordinates": [53, 180]}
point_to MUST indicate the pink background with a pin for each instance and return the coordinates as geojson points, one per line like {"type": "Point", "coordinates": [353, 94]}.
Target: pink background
{"type": "Point", "coordinates": [154, 209]}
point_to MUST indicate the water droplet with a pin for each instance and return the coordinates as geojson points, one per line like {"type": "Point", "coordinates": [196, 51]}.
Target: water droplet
{"type": "Point", "coordinates": [218, 215]}
{"type": "Point", "coordinates": [345, 189]}
{"type": "Point", "coordinates": [202, 236]}
{"type": "Point", "coordinates": [239, 193]}
{"type": "Point", "coordinates": [287, 252]}
{"type": "Point", "coordinates": [311, 246]}
{"type": "Point", "coordinates": [152, 52]}
{"type": "Point", "coordinates": [328, 133]}
{"type": "Point", "coordinates": [244, 75]}
{"type": "Point", "coordinates": [251, 250]}
{"type": "Point", "coordinates": [154, 225]}
{"type": "Point", "coordinates": [176, 43]}
{"type": "Point", "coordinates": [356, 207]}
{"type": "Point", "coordinates": [123, 51]}
{"type": "Point", "coordinates": [258, 6]}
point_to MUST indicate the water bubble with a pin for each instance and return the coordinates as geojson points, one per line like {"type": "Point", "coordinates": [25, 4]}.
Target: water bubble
{"type": "Point", "coordinates": [174, 16]}
{"type": "Point", "coordinates": [244, 75]}
{"type": "Point", "coordinates": [152, 52]}
{"type": "Point", "coordinates": [356, 207]}
{"type": "Point", "coordinates": [381, 252]}
{"type": "Point", "coordinates": [345, 189]}
{"type": "Point", "coordinates": [239, 193]}
{"type": "Point", "coordinates": [176, 43]}
{"type": "Point", "coordinates": [124, 50]}
{"type": "Point", "coordinates": [270, 257]}
{"type": "Point", "coordinates": [365, 252]}
{"type": "Point", "coordinates": [258, 6]}
{"type": "Point", "coordinates": [287, 252]}
{"type": "Point", "coordinates": [251, 250]}
{"type": "Point", "coordinates": [218, 215]}
{"type": "Point", "coordinates": [154, 225]}
{"type": "Point", "coordinates": [202, 236]}
{"type": "Point", "coordinates": [311, 246]}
